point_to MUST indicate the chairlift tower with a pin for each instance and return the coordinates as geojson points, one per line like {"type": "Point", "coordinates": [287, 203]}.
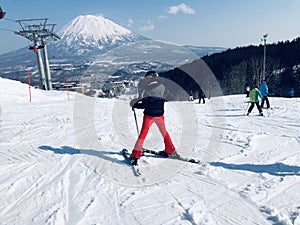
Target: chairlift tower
{"type": "Point", "coordinates": [38, 31]}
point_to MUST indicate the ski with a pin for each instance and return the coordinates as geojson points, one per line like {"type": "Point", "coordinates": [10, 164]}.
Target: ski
{"type": "Point", "coordinates": [135, 168]}
{"type": "Point", "coordinates": [177, 157]}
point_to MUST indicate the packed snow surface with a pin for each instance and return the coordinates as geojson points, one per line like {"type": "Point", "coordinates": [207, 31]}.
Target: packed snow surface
{"type": "Point", "coordinates": [60, 162]}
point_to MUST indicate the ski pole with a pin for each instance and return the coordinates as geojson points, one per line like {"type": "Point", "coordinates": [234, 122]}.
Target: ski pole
{"type": "Point", "coordinates": [136, 123]}
{"type": "Point", "coordinates": [246, 108]}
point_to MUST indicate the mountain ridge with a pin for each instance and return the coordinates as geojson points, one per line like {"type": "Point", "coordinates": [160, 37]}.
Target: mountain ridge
{"type": "Point", "coordinates": [84, 40]}
{"type": "Point", "coordinates": [88, 34]}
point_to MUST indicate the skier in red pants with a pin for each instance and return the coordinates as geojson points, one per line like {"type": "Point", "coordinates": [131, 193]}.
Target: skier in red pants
{"type": "Point", "coordinates": [151, 99]}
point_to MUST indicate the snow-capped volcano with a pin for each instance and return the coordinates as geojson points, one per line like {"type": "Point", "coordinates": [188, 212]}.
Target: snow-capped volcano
{"type": "Point", "coordinates": [85, 40]}
{"type": "Point", "coordinates": [92, 34]}
{"type": "Point", "coordinates": [94, 30]}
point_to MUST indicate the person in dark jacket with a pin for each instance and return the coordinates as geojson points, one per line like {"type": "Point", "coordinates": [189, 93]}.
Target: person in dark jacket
{"type": "Point", "coordinates": [201, 96]}
{"type": "Point", "coordinates": [151, 99]}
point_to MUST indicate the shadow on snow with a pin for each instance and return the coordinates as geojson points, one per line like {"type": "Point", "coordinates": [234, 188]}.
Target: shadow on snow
{"type": "Point", "coordinates": [276, 169]}
{"type": "Point", "coordinates": [107, 155]}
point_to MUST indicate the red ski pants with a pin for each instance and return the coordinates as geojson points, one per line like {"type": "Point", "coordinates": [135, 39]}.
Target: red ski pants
{"type": "Point", "coordinates": [147, 122]}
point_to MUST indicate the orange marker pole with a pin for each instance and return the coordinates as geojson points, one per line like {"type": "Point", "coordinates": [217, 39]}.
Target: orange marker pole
{"type": "Point", "coordinates": [29, 85]}
{"type": "Point", "coordinates": [86, 88]}
{"type": "Point", "coordinates": [67, 86]}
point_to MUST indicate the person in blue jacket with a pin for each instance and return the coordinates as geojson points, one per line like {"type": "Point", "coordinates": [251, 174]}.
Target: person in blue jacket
{"type": "Point", "coordinates": [264, 90]}
{"type": "Point", "coordinates": [291, 93]}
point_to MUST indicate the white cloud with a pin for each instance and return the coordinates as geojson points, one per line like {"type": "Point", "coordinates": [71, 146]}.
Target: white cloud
{"type": "Point", "coordinates": [130, 23]}
{"type": "Point", "coordinates": [147, 27]}
{"type": "Point", "coordinates": [99, 14]}
{"type": "Point", "coordinates": [181, 7]}
{"type": "Point", "coordinates": [162, 18]}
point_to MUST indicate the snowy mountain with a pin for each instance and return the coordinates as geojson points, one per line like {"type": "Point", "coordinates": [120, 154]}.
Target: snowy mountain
{"type": "Point", "coordinates": [94, 30]}
{"type": "Point", "coordinates": [82, 39]}
{"type": "Point", "coordinates": [60, 162]}
{"type": "Point", "coordinates": [86, 38]}
{"type": "Point", "coordinates": [202, 51]}
{"type": "Point", "coordinates": [91, 35]}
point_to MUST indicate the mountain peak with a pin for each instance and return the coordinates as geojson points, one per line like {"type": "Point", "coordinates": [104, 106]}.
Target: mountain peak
{"type": "Point", "coordinates": [91, 27]}
{"type": "Point", "coordinates": [90, 33]}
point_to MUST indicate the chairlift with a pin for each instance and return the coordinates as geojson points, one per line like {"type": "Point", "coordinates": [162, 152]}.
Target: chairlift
{"type": "Point", "coordinates": [2, 14]}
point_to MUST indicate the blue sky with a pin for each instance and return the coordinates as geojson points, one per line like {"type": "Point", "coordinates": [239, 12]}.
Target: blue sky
{"type": "Point", "coordinates": [219, 23]}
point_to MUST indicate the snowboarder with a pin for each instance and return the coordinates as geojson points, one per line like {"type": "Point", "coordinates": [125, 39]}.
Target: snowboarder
{"type": "Point", "coordinates": [254, 94]}
{"type": "Point", "coordinates": [264, 90]}
{"type": "Point", "coordinates": [151, 99]}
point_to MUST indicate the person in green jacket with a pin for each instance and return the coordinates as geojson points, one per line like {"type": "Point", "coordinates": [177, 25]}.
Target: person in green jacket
{"type": "Point", "coordinates": [254, 94]}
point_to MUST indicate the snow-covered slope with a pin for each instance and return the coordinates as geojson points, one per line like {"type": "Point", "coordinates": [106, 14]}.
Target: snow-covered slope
{"type": "Point", "coordinates": [60, 162]}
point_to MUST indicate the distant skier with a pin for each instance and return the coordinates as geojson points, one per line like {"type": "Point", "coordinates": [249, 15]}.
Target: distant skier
{"type": "Point", "coordinates": [247, 91]}
{"type": "Point", "coordinates": [254, 94]}
{"type": "Point", "coordinates": [201, 96]}
{"type": "Point", "coordinates": [151, 99]}
{"type": "Point", "coordinates": [264, 90]}
{"type": "Point", "coordinates": [291, 93]}
{"type": "Point", "coordinates": [191, 96]}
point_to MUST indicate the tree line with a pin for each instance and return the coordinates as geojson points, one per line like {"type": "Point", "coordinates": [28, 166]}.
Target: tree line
{"type": "Point", "coordinates": [237, 68]}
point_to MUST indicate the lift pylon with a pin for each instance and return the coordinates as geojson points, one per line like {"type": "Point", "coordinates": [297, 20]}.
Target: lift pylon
{"type": "Point", "coordinates": [37, 31]}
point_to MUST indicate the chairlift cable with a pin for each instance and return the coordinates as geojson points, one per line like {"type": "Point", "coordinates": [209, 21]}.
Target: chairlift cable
{"type": "Point", "coordinates": [6, 29]}
{"type": "Point", "coordinates": [9, 20]}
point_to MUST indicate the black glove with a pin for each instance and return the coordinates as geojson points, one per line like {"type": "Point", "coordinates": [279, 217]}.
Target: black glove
{"type": "Point", "coordinates": [133, 101]}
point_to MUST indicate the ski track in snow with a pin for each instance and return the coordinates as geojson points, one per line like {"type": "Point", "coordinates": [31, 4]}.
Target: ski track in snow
{"type": "Point", "coordinates": [48, 176]}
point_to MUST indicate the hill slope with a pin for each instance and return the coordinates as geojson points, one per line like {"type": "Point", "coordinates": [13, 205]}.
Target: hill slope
{"type": "Point", "coordinates": [60, 162]}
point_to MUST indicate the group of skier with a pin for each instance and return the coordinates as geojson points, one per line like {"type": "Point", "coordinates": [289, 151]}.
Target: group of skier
{"type": "Point", "coordinates": [151, 98]}
{"type": "Point", "coordinates": [200, 94]}
{"type": "Point", "coordinates": [261, 91]}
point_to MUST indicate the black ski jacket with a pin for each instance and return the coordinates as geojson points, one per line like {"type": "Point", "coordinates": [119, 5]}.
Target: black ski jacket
{"type": "Point", "coordinates": [153, 106]}
{"type": "Point", "coordinates": [152, 98]}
